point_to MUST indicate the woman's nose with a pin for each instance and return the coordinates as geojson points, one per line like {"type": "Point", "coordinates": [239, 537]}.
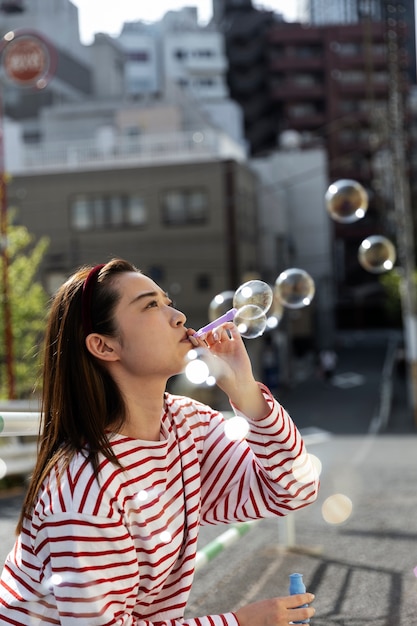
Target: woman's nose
{"type": "Point", "coordinates": [180, 317]}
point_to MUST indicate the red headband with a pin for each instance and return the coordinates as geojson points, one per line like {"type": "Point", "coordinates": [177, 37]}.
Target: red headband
{"type": "Point", "coordinates": [86, 299]}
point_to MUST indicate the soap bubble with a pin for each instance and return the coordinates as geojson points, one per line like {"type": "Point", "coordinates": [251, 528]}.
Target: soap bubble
{"type": "Point", "coordinates": [346, 201]}
{"type": "Point", "coordinates": [236, 428]}
{"type": "Point", "coordinates": [377, 254]}
{"type": "Point", "coordinates": [275, 313]}
{"type": "Point", "coordinates": [253, 292]}
{"type": "Point", "coordinates": [336, 509]}
{"type": "Point", "coordinates": [202, 367]}
{"type": "Point", "coordinates": [295, 288]}
{"type": "Point", "coordinates": [250, 321]}
{"type": "Point", "coordinates": [220, 304]}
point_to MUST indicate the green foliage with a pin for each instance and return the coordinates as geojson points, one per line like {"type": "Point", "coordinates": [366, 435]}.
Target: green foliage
{"type": "Point", "coordinates": [28, 303]}
{"type": "Point", "coordinates": [392, 284]}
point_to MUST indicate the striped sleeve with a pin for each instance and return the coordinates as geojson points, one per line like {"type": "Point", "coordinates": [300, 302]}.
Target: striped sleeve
{"type": "Point", "coordinates": [266, 473]}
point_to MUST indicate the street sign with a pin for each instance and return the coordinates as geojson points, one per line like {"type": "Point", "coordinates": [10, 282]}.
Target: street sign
{"type": "Point", "coordinates": [28, 59]}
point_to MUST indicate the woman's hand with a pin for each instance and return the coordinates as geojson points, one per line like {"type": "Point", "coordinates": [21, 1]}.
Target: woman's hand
{"type": "Point", "coordinates": [234, 373]}
{"type": "Point", "coordinates": [276, 611]}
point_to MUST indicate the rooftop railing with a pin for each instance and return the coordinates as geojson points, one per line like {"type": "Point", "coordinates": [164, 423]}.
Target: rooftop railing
{"type": "Point", "coordinates": [121, 152]}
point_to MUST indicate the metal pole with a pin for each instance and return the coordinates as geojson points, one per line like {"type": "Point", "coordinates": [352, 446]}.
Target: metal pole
{"type": "Point", "coordinates": [5, 291]}
{"type": "Point", "coordinates": [402, 204]}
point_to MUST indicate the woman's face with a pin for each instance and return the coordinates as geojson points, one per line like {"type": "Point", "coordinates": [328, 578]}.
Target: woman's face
{"type": "Point", "coordinates": [152, 339]}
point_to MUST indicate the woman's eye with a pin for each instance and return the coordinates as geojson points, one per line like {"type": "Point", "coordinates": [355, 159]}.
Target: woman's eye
{"type": "Point", "coordinates": [152, 303]}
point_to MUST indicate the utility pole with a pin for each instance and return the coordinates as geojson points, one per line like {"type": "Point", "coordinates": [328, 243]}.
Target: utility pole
{"type": "Point", "coordinates": [27, 60]}
{"type": "Point", "coordinates": [402, 196]}
{"type": "Point", "coordinates": [5, 286]}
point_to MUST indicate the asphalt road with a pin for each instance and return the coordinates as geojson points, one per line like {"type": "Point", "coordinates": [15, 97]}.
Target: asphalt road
{"type": "Point", "coordinates": [361, 571]}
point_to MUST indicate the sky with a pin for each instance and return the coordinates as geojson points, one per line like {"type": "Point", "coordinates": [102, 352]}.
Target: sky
{"type": "Point", "coordinates": [108, 16]}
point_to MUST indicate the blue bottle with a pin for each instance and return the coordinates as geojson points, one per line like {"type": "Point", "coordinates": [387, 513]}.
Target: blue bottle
{"type": "Point", "coordinates": [297, 586]}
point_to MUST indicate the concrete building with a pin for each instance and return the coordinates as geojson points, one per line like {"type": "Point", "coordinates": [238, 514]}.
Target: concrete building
{"type": "Point", "coordinates": [71, 80]}
{"type": "Point", "coordinates": [322, 13]}
{"type": "Point", "coordinates": [56, 19]}
{"type": "Point", "coordinates": [176, 55]}
{"type": "Point", "coordinates": [343, 11]}
{"type": "Point", "coordinates": [295, 231]}
{"type": "Point", "coordinates": [108, 64]}
{"type": "Point", "coordinates": [143, 72]}
{"type": "Point", "coordinates": [178, 50]}
{"type": "Point", "coordinates": [186, 213]}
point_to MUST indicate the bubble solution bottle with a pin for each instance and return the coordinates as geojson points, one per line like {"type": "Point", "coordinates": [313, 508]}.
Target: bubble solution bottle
{"type": "Point", "coordinates": [297, 586]}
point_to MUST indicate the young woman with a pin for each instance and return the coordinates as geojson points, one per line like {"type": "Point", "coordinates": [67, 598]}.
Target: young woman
{"type": "Point", "coordinates": [126, 472]}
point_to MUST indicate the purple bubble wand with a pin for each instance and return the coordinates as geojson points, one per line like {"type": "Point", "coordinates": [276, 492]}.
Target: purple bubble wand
{"type": "Point", "coordinates": [226, 317]}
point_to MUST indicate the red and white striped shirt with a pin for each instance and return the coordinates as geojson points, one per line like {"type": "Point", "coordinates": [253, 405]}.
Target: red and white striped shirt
{"type": "Point", "coordinates": [122, 550]}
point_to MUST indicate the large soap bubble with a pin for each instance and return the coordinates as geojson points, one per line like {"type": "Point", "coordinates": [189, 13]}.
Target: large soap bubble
{"type": "Point", "coordinates": [377, 254]}
{"type": "Point", "coordinates": [295, 288]}
{"type": "Point", "coordinates": [253, 292]}
{"type": "Point", "coordinates": [337, 509]}
{"type": "Point", "coordinates": [247, 306]}
{"type": "Point", "coordinates": [250, 321]}
{"type": "Point", "coordinates": [346, 201]}
{"type": "Point", "coordinates": [275, 313]}
{"type": "Point", "coordinates": [220, 304]}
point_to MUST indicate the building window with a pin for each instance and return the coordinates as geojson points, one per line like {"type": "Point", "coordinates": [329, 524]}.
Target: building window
{"type": "Point", "coordinates": [348, 49]}
{"type": "Point", "coordinates": [180, 54]}
{"type": "Point", "coordinates": [352, 76]}
{"type": "Point", "coordinates": [32, 137]}
{"type": "Point", "coordinates": [184, 206]}
{"type": "Point", "coordinates": [139, 56]}
{"type": "Point", "coordinates": [203, 53]}
{"type": "Point", "coordinates": [203, 282]}
{"type": "Point", "coordinates": [102, 212]}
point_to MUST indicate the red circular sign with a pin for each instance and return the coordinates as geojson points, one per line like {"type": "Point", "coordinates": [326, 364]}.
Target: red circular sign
{"type": "Point", "coordinates": [26, 60]}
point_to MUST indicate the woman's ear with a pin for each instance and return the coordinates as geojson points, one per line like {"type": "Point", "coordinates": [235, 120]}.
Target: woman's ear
{"type": "Point", "coordinates": [101, 347]}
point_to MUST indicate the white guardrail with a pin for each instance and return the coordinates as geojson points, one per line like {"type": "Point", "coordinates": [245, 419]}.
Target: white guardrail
{"type": "Point", "coordinates": [19, 430]}
{"type": "Point", "coordinates": [18, 449]}
{"type": "Point", "coordinates": [18, 433]}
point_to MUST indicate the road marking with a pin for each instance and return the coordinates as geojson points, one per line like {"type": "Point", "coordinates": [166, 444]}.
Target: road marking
{"type": "Point", "coordinates": [348, 380]}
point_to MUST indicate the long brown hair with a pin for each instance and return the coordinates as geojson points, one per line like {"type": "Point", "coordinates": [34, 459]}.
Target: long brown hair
{"type": "Point", "coordinates": [79, 397]}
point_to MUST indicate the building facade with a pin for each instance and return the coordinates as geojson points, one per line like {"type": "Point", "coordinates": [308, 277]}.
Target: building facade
{"type": "Point", "coordinates": [331, 84]}
{"type": "Point", "coordinates": [57, 22]}
{"type": "Point", "coordinates": [192, 227]}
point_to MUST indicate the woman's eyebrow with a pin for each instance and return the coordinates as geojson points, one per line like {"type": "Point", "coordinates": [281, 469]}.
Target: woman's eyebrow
{"type": "Point", "coordinates": [150, 294]}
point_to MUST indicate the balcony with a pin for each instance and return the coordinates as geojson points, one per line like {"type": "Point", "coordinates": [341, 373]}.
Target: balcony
{"type": "Point", "coordinates": [309, 121]}
{"type": "Point", "coordinates": [280, 63]}
{"type": "Point", "coordinates": [287, 90]}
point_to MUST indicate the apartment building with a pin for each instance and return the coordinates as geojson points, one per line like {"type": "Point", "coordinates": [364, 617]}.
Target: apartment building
{"type": "Point", "coordinates": [331, 84]}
